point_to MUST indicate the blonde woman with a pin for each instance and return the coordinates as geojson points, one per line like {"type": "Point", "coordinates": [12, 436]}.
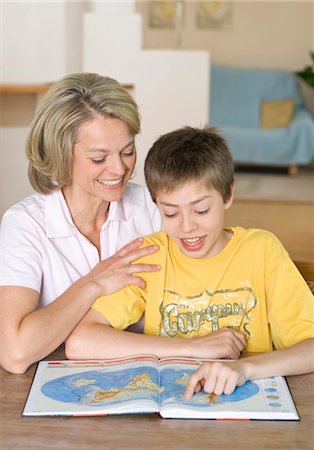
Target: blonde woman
{"type": "Point", "coordinates": [67, 244]}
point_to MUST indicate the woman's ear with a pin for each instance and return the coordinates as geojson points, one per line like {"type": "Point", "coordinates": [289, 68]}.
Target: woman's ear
{"type": "Point", "coordinates": [229, 201]}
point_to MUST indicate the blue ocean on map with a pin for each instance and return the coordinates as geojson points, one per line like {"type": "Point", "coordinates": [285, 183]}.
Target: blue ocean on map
{"type": "Point", "coordinates": [90, 387]}
{"type": "Point", "coordinates": [101, 387]}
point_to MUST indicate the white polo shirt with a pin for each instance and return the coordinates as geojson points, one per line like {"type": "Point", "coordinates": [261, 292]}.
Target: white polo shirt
{"type": "Point", "coordinates": [42, 249]}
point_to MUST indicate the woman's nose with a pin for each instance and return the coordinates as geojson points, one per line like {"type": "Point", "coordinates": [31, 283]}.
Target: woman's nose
{"type": "Point", "coordinates": [116, 165]}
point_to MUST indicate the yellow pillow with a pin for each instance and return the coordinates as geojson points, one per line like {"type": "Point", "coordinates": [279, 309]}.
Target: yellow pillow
{"type": "Point", "coordinates": [276, 113]}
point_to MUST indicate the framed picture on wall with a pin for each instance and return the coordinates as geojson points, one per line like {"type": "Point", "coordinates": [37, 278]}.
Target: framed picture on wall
{"type": "Point", "coordinates": [165, 14]}
{"type": "Point", "coordinates": [214, 14]}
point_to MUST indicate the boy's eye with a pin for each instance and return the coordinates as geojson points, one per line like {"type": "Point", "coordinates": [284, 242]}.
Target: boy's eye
{"type": "Point", "coordinates": [170, 216]}
{"type": "Point", "coordinates": [205, 211]}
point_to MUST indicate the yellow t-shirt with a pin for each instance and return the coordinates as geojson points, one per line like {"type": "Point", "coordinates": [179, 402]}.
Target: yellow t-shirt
{"type": "Point", "coordinates": [251, 285]}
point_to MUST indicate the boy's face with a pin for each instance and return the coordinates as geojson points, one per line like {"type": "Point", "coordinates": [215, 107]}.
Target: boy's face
{"type": "Point", "coordinates": [193, 217]}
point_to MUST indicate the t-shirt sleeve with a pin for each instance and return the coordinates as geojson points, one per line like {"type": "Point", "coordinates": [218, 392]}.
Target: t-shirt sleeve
{"type": "Point", "coordinates": [289, 300]}
{"type": "Point", "coordinates": [123, 308]}
{"type": "Point", "coordinates": [20, 250]}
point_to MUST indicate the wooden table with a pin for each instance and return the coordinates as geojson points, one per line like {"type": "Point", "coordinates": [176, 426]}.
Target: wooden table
{"type": "Point", "coordinates": [148, 431]}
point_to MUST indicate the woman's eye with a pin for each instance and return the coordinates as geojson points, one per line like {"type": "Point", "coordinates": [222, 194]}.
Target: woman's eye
{"type": "Point", "coordinates": [129, 153]}
{"type": "Point", "coordinates": [170, 216]}
{"type": "Point", "coordinates": [98, 161]}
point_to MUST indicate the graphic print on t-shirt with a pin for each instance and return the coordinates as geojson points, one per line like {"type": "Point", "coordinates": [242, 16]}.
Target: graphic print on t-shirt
{"type": "Point", "coordinates": [206, 312]}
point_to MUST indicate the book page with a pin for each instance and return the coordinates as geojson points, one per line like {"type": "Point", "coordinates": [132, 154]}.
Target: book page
{"type": "Point", "coordinates": [140, 384]}
{"type": "Point", "coordinates": [128, 385]}
{"type": "Point", "coordinates": [266, 399]}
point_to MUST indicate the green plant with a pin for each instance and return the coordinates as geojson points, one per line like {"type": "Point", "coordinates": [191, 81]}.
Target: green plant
{"type": "Point", "coordinates": [307, 74]}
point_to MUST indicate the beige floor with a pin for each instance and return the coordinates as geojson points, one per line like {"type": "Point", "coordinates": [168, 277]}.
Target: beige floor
{"type": "Point", "coordinates": [281, 204]}
{"type": "Point", "coordinates": [279, 187]}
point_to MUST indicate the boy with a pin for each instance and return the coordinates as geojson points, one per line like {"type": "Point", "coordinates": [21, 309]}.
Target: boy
{"type": "Point", "coordinates": [227, 290]}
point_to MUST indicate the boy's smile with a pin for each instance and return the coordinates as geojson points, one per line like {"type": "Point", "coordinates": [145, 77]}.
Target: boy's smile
{"type": "Point", "coordinates": [193, 217]}
{"type": "Point", "coordinates": [193, 244]}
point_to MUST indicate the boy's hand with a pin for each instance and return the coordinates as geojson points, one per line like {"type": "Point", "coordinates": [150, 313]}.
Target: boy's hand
{"type": "Point", "coordinates": [216, 377]}
{"type": "Point", "coordinates": [223, 344]}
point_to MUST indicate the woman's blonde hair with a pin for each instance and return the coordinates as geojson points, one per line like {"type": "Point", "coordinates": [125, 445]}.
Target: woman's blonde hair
{"type": "Point", "coordinates": [74, 100]}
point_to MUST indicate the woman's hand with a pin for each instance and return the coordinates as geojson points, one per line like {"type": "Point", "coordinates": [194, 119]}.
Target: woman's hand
{"type": "Point", "coordinates": [26, 334]}
{"type": "Point", "coordinates": [216, 377]}
{"type": "Point", "coordinates": [118, 271]}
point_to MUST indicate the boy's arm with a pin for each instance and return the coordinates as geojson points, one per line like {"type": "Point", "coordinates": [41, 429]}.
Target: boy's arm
{"type": "Point", "coordinates": [94, 338]}
{"type": "Point", "coordinates": [294, 360]}
{"type": "Point", "coordinates": [219, 377]}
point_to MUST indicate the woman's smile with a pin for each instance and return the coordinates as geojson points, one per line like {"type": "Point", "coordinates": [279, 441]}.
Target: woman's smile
{"type": "Point", "coordinates": [112, 184]}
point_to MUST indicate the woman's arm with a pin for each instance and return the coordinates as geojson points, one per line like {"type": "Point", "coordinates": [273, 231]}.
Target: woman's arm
{"type": "Point", "coordinates": [28, 334]}
{"type": "Point", "coordinates": [223, 377]}
{"type": "Point", "coordinates": [95, 338]}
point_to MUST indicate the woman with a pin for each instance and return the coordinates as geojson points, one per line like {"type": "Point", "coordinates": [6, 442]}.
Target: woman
{"type": "Point", "coordinates": [57, 245]}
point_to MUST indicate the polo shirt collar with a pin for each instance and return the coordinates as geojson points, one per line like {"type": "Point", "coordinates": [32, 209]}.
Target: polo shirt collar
{"type": "Point", "coordinates": [116, 211]}
{"type": "Point", "coordinates": [59, 222]}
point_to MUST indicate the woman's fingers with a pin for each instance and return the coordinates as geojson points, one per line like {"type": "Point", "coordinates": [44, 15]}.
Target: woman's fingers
{"type": "Point", "coordinates": [139, 253]}
{"type": "Point", "coordinates": [138, 268]}
{"type": "Point", "coordinates": [132, 251]}
{"type": "Point", "coordinates": [126, 249]}
{"type": "Point", "coordinates": [135, 281]}
{"type": "Point", "coordinates": [118, 271]}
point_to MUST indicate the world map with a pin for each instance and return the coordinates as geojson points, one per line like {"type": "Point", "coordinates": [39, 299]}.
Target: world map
{"type": "Point", "coordinates": [103, 387]}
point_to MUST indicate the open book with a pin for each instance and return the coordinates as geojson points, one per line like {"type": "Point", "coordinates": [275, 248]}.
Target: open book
{"type": "Point", "coordinates": [146, 384]}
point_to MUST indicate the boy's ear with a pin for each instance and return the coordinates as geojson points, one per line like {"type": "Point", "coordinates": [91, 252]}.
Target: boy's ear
{"type": "Point", "coordinates": [229, 202]}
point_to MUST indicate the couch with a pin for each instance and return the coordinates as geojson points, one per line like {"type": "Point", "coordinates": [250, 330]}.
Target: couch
{"type": "Point", "coordinates": [262, 116]}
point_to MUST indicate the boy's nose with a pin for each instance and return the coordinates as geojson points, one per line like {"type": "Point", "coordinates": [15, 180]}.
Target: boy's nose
{"type": "Point", "coordinates": [187, 224]}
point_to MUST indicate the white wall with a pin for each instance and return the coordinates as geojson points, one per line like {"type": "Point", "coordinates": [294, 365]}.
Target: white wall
{"type": "Point", "coordinates": [265, 34]}
{"type": "Point", "coordinates": [170, 96]}
{"type": "Point", "coordinates": [41, 40]}
{"type": "Point", "coordinates": [171, 87]}
{"type": "Point", "coordinates": [14, 184]}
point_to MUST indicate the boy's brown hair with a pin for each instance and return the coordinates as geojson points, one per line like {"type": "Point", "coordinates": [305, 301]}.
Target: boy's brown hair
{"type": "Point", "coordinates": [190, 154]}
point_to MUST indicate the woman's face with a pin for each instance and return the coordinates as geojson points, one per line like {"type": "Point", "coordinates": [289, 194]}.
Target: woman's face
{"type": "Point", "coordinates": [104, 156]}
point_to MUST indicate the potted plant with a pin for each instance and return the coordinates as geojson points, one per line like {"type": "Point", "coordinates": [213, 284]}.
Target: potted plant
{"type": "Point", "coordinates": [305, 79]}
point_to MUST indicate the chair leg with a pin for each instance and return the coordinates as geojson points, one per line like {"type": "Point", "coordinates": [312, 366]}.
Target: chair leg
{"type": "Point", "coordinates": [293, 170]}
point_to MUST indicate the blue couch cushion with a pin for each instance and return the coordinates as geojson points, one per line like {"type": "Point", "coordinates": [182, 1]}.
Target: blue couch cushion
{"type": "Point", "coordinates": [236, 93]}
{"type": "Point", "coordinates": [277, 146]}
{"type": "Point", "coordinates": [235, 105]}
